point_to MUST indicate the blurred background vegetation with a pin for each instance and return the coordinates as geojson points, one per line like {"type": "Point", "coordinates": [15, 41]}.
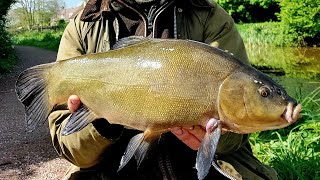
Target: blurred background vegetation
{"type": "Point", "coordinates": [7, 57]}
{"type": "Point", "coordinates": [282, 38]}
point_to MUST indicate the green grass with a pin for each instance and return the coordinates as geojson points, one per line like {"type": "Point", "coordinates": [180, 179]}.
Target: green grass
{"type": "Point", "coordinates": [267, 33]}
{"type": "Point", "coordinates": [294, 152]}
{"type": "Point", "coordinates": [47, 39]}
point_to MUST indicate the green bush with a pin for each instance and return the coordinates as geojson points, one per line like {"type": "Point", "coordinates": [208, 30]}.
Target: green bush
{"type": "Point", "coordinates": [301, 20]}
{"type": "Point", "coordinates": [7, 57]}
{"type": "Point", "coordinates": [47, 39]}
{"type": "Point", "coordinates": [251, 10]}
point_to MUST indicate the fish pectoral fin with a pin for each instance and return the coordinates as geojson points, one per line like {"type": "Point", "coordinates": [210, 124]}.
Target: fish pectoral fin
{"type": "Point", "coordinates": [207, 150]}
{"type": "Point", "coordinates": [137, 147]}
{"type": "Point", "coordinates": [78, 120]}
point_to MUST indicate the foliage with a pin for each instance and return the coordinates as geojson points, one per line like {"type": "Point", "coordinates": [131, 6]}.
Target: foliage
{"type": "Point", "coordinates": [278, 34]}
{"type": "Point", "coordinates": [251, 10]}
{"type": "Point", "coordinates": [267, 33]}
{"type": "Point", "coordinates": [4, 7]}
{"type": "Point", "coordinates": [7, 57]}
{"type": "Point", "coordinates": [34, 13]}
{"type": "Point", "coordinates": [61, 24]}
{"type": "Point", "coordinates": [257, 34]}
{"type": "Point", "coordinates": [47, 39]}
{"type": "Point", "coordinates": [301, 20]}
{"type": "Point", "coordinates": [294, 152]}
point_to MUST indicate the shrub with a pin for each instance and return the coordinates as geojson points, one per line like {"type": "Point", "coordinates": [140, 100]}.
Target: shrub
{"type": "Point", "coordinates": [251, 10]}
{"type": "Point", "coordinates": [7, 57]}
{"type": "Point", "coordinates": [301, 20]}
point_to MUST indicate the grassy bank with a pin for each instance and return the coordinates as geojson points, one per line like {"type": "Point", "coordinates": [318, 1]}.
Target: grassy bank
{"type": "Point", "coordinates": [267, 34]}
{"type": "Point", "coordinates": [294, 152]}
{"type": "Point", "coordinates": [47, 39]}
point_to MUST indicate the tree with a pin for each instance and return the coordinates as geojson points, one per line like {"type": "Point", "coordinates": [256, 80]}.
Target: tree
{"type": "Point", "coordinates": [301, 20]}
{"type": "Point", "coordinates": [251, 10]}
{"type": "Point", "coordinates": [36, 13]}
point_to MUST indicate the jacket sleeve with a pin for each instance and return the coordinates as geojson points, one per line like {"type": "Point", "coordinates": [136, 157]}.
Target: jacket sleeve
{"type": "Point", "coordinates": [85, 147]}
{"type": "Point", "coordinates": [71, 42]}
{"type": "Point", "coordinates": [82, 148]}
{"type": "Point", "coordinates": [221, 30]}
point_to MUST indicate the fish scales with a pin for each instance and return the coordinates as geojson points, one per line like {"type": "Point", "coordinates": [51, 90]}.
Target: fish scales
{"type": "Point", "coordinates": [143, 89]}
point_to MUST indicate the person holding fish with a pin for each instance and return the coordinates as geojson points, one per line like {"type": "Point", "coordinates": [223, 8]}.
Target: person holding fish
{"type": "Point", "coordinates": [95, 151]}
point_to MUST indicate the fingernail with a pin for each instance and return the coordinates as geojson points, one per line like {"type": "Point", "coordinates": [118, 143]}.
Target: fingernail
{"type": "Point", "coordinates": [74, 102]}
{"type": "Point", "coordinates": [177, 131]}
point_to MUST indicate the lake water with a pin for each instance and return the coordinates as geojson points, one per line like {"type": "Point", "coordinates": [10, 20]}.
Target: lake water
{"type": "Point", "coordinates": [297, 69]}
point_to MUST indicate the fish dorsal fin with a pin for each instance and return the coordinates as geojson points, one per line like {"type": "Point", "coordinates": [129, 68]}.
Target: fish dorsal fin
{"type": "Point", "coordinates": [78, 120]}
{"type": "Point", "coordinates": [129, 41]}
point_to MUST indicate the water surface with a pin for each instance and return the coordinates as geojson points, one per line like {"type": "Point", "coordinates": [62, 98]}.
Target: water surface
{"type": "Point", "coordinates": [291, 62]}
{"type": "Point", "coordinates": [297, 69]}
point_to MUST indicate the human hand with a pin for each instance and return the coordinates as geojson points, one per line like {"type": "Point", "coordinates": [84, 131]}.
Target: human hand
{"type": "Point", "coordinates": [73, 103]}
{"type": "Point", "coordinates": [190, 135]}
{"type": "Point", "coordinates": [193, 135]}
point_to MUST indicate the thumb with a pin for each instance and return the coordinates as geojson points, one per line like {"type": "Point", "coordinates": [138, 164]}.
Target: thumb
{"type": "Point", "coordinates": [73, 103]}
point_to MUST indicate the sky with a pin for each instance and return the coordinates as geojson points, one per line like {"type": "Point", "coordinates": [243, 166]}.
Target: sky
{"type": "Point", "coordinates": [72, 3]}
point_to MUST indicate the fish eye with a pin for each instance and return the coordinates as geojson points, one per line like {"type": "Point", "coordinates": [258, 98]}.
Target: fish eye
{"type": "Point", "coordinates": [264, 91]}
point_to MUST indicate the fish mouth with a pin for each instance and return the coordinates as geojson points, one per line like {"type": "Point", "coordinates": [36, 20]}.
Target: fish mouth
{"type": "Point", "coordinates": [292, 113]}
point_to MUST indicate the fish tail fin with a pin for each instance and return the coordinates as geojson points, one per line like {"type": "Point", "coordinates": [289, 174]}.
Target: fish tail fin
{"type": "Point", "coordinates": [31, 91]}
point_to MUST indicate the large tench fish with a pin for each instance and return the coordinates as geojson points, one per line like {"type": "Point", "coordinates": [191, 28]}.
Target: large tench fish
{"type": "Point", "coordinates": [155, 84]}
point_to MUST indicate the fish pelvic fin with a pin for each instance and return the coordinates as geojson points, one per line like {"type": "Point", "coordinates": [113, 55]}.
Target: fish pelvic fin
{"type": "Point", "coordinates": [31, 91]}
{"type": "Point", "coordinates": [206, 152]}
{"type": "Point", "coordinates": [78, 120]}
{"type": "Point", "coordinates": [138, 147]}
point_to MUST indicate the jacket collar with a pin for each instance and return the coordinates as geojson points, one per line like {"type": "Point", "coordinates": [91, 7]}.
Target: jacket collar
{"type": "Point", "coordinates": [94, 8]}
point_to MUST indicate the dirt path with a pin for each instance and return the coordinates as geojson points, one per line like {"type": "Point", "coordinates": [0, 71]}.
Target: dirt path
{"type": "Point", "coordinates": [25, 155]}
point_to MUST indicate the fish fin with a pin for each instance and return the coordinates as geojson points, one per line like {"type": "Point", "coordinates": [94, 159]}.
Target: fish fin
{"type": "Point", "coordinates": [78, 120]}
{"type": "Point", "coordinates": [128, 41]}
{"type": "Point", "coordinates": [206, 152]}
{"type": "Point", "coordinates": [31, 91]}
{"type": "Point", "coordinates": [136, 144]}
{"type": "Point", "coordinates": [142, 150]}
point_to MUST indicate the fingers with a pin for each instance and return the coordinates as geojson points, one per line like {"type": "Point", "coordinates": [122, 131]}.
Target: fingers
{"type": "Point", "coordinates": [191, 136]}
{"type": "Point", "coordinates": [73, 103]}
